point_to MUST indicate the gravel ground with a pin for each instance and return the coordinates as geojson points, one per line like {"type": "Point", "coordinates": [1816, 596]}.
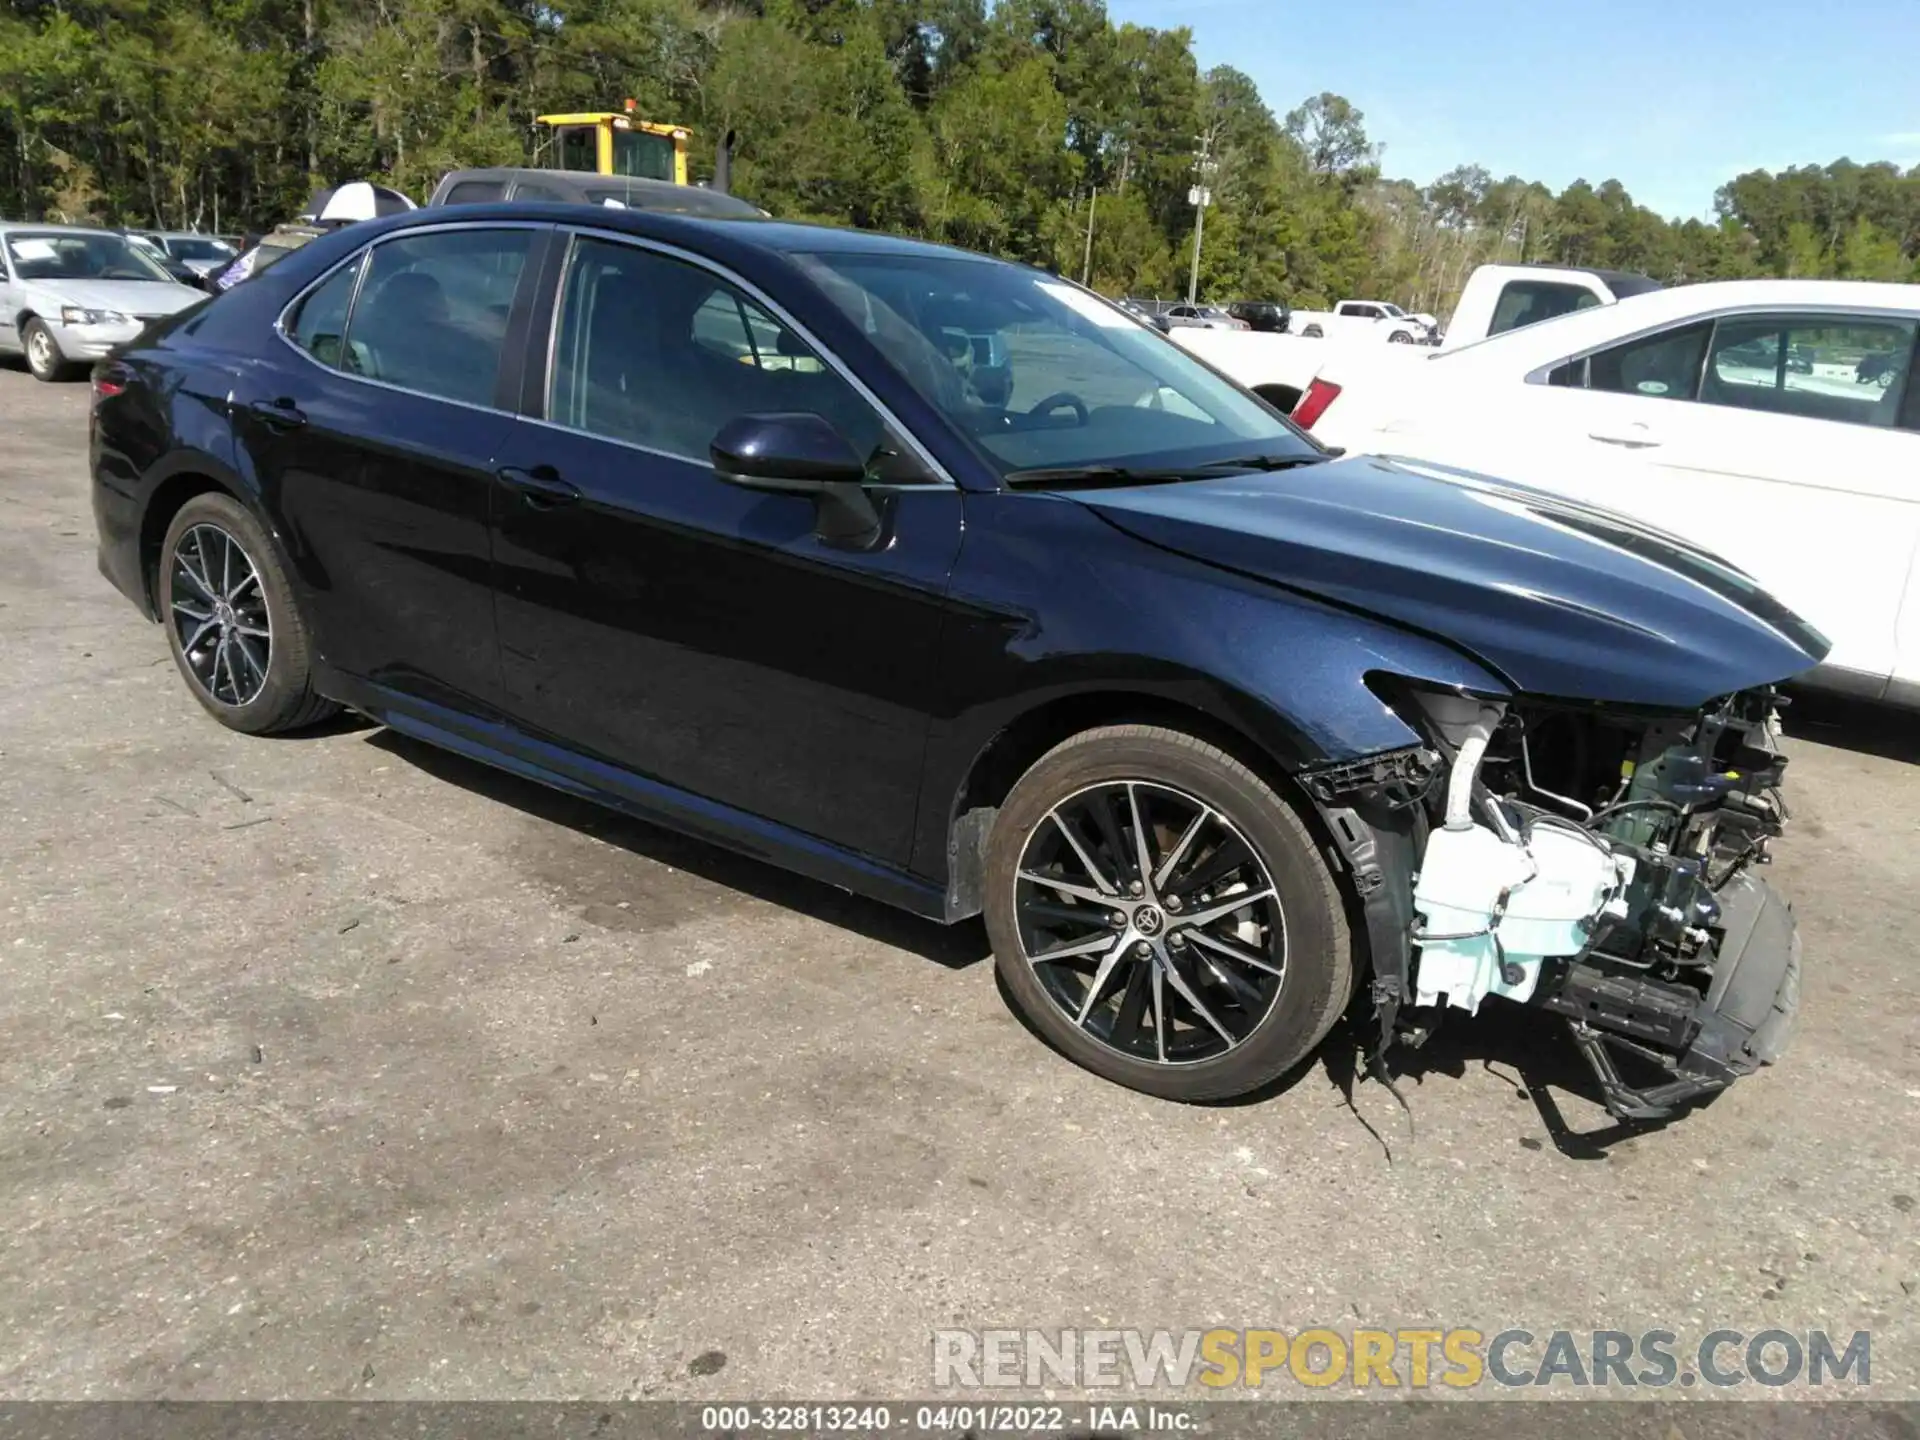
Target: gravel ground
{"type": "Point", "coordinates": [335, 1066]}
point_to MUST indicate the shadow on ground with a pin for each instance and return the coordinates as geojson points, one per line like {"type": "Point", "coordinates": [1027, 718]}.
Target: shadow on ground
{"type": "Point", "coordinates": [954, 946]}
{"type": "Point", "coordinates": [1527, 1049]}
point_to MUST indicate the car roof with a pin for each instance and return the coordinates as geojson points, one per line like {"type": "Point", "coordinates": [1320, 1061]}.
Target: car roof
{"type": "Point", "coordinates": [719, 232]}
{"type": "Point", "coordinates": [40, 225]}
{"type": "Point", "coordinates": [1621, 282]}
{"type": "Point", "coordinates": [592, 186]}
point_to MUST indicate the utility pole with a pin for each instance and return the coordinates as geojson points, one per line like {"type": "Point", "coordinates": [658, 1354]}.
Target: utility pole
{"type": "Point", "coordinates": [1086, 269]}
{"type": "Point", "coordinates": [1200, 197]}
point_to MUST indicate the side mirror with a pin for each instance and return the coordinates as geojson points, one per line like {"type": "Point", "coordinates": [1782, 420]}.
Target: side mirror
{"type": "Point", "coordinates": [797, 453]}
{"type": "Point", "coordinates": [800, 453]}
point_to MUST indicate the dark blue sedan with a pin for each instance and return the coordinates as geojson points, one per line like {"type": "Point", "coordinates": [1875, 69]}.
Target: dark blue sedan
{"type": "Point", "coordinates": [945, 581]}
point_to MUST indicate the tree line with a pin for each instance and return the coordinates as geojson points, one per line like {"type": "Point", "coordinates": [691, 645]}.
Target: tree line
{"type": "Point", "coordinates": [1002, 126]}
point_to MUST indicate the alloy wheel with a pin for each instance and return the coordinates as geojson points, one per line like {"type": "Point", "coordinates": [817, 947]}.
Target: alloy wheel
{"type": "Point", "coordinates": [40, 350]}
{"type": "Point", "coordinates": [1151, 922]}
{"type": "Point", "coordinates": [219, 613]}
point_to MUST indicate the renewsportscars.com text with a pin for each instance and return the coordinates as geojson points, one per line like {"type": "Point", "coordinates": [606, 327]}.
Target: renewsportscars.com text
{"type": "Point", "coordinates": [1418, 1359]}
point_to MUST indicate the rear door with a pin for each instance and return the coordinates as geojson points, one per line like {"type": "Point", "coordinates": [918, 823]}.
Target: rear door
{"type": "Point", "coordinates": [1757, 436]}
{"type": "Point", "coordinates": [372, 435]}
{"type": "Point", "coordinates": [697, 634]}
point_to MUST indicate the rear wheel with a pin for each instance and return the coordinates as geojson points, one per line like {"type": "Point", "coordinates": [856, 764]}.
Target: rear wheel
{"type": "Point", "coordinates": [236, 634]}
{"type": "Point", "coordinates": [44, 359]}
{"type": "Point", "coordinates": [1162, 915]}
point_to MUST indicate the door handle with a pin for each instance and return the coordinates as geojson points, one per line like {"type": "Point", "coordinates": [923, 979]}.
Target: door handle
{"type": "Point", "coordinates": [281, 414]}
{"type": "Point", "coordinates": [541, 487]}
{"type": "Point", "coordinates": [1639, 440]}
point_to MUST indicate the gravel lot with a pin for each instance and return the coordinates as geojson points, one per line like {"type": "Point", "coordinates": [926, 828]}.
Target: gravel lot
{"type": "Point", "coordinates": [335, 1066]}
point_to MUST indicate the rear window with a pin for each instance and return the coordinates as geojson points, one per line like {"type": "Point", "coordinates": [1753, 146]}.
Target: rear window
{"type": "Point", "coordinates": [474, 192]}
{"type": "Point", "coordinates": [431, 314]}
{"type": "Point", "coordinates": [1528, 302]}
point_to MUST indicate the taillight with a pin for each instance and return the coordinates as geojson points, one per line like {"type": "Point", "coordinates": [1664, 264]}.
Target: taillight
{"type": "Point", "coordinates": [107, 385]}
{"type": "Point", "coordinates": [1320, 394]}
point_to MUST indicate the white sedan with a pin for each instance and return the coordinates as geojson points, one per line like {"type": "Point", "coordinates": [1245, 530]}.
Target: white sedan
{"type": "Point", "coordinates": [1771, 421]}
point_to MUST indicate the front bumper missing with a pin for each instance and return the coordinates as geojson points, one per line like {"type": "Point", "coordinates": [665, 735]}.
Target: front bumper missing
{"type": "Point", "coordinates": [1704, 1043]}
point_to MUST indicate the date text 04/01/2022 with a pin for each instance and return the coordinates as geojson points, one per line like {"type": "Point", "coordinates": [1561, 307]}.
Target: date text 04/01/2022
{"type": "Point", "coordinates": [942, 1419]}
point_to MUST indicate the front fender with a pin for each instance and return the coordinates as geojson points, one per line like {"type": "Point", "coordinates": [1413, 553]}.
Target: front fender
{"type": "Point", "coordinates": [1126, 622]}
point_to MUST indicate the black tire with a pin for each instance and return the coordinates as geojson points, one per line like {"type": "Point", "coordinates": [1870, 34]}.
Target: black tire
{"type": "Point", "coordinates": [1319, 960]}
{"type": "Point", "coordinates": [44, 360]}
{"type": "Point", "coordinates": [285, 698]}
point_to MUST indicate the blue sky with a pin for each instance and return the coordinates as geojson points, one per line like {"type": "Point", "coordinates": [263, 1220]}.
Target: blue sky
{"type": "Point", "coordinates": [1672, 98]}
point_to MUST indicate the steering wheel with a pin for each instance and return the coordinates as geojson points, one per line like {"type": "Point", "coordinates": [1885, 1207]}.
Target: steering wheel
{"type": "Point", "coordinates": [1061, 400]}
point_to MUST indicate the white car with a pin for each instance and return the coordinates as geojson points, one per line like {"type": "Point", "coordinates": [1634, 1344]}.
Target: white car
{"type": "Point", "coordinates": [1197, 317]}
{"type": "Point", "coordinates": [69, 295]}
{"type": "Point", "coordinates": [202, 254]}
{"type": "Point", "coordinates": [1771, 421]}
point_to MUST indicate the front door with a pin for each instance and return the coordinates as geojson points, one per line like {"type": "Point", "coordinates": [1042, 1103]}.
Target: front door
{"type": "Point", "coordinates": [9, 302]}
{"type": "Point", "coordinates": [375, 449]}
{"type": "Point", "coordinates": [701, 635]}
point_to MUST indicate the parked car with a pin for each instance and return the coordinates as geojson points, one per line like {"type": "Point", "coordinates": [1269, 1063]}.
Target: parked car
{"type": "Point", "coordinates": [697, 518]}
{"type": "Point", "coordinates": [1729, 412]}
{"type": "Point", "coordinates": [202, 255]}
{"type": "Point", "coordinates": [1363, 319]}
{"type": "Point", "coordinates": [70, 294]}
{"type": "Point", "coordinates": [1267, 316]}
{"type": "Point", "coordinates": [1197, 317]}
{"type": "Point", "coordinates": [177, 270]}
{"type": "Point", "coordinates": [481, 187]}
{"type": "Point", "coordinates": [259, 252]}
{"type": "Point", "coordinates": [1496, 298]}
{"type": "Point", "coordinates": [1499, 298]}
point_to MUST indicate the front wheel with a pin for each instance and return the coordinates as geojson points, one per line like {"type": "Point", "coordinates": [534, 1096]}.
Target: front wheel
{"type": "Point", "coordinates": [1163, 916]}
{"type": "Point", "coordinates": [44, 359]}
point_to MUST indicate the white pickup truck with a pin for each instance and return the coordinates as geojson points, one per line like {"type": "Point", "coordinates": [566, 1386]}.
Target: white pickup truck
{"type": "Point", "coordinates": [1363, 319]}
{"type": "Point", "coordinates": [1497, 298]}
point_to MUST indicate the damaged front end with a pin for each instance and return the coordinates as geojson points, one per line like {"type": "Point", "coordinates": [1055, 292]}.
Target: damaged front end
{"type": "Point", "coordinates": [1591, 861]}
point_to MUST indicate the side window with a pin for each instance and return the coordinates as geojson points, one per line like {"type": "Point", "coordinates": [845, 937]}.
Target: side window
{"type": "Point", "coordinates": [531, 192]}
{"type": "Point", "coordinates": [432, 314]}
{"type": "Point", "coordinates": [1828, 367]}
{"type": "Point", "coordinates": [474, 192]}
{"type": "Point", "coordinates": [320, 323]}
{"type": "Point", "coordinates": [661, 353]}
{"type": "Point", "coordinates": [1665, 366]}
{"type": "Point", "coordinates": [1528, 302]}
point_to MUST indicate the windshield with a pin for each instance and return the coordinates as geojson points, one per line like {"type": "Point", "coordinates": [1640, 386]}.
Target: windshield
{"type": "Point", "coordinates": [644, 155]}
{"type": "Point", "coordinates": [1393, 310]}
{"type": "Point", "coordinates": [1038, 373]}
{"type": "Point", "coordinates": [79, 255]}
{"type": "Point", "coordinates": [196, 247]}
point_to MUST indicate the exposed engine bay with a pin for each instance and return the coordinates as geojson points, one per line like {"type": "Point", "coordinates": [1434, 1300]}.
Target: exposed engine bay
{"type": "Point", "coordinates": [1595, 863]}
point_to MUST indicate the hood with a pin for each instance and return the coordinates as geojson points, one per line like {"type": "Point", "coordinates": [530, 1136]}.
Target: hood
{"type": "Point", "coordinates": [145, 299]}
{"type": "Point", "coordinates": [1562, 599]}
